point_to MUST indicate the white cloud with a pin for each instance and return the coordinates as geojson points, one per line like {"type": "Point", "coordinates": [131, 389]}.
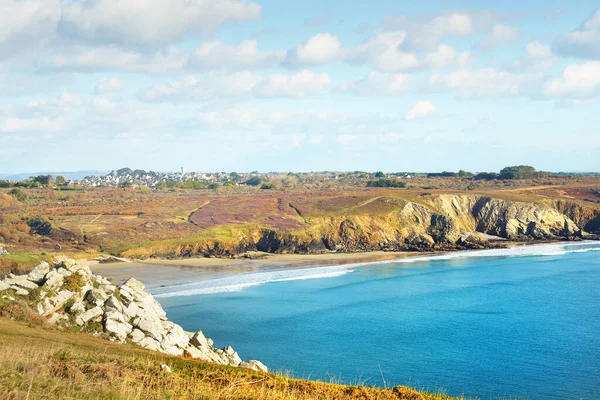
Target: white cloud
{"type": "Point", "coordinates": [536, 50]}
{"type": "Point", "coordinates": [319, 49]}
{"type": "Point", "coordinates": [481, 82]}
{"type": "Point", "coordinates": [377, 84]}
{"type": "Point", "coordinates": [108, 85]}
{"type": "Point", "coordinates": [500, 35]}
{"type": "Point", "coordinates": [112, 58]}
{"type": "Point", "coordinates": [427, 34]}
{"type": "Point", "coordinates": [382, 50]}
{"type": "Point", "coordinates": [302, 84]}
{"type": "Point", "coordinates": [62, 103]}
{"type": "Point", "coordinates": [584, 42]}
{"type": "Point", "coordinates": [102, 105]}
{"type": "Point", "coordinates": [27, 23]}
{"type": "Point", "coordinates": [149, 23]}
{"type": "Point", "coordinates": [577, 80]}
{"type": "Point", "coordinates": [446, 55]}
{"type": "Point", "coordinates": [240, 84]}
{"type": "Point", "coordinates": [34, 125]}
{"type": "Point", "coordinates": [217, 55]}
{"type": "Point", "coordinates": [421, 109]}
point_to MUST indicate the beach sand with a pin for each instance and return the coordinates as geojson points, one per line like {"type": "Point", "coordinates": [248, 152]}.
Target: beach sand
{"type": "Point", "coordinates": [160, 272]}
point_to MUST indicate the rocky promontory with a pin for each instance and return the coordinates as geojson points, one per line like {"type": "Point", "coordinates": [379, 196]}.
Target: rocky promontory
{"type": "Point", "coordinates": [68, 294]}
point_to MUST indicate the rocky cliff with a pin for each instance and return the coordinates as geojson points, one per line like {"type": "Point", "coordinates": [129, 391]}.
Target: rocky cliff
{"type": "Point", "coordinates": [68, 294]}
{"type": "Point", "coordinates": [425, 223]}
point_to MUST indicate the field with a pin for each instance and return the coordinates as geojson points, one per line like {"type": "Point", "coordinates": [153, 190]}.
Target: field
{"type": "Point", "coordinates": [140, 222]}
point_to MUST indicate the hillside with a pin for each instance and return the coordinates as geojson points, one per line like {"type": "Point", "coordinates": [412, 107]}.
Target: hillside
{"type": "Point", "coordinates": [38, 362]}
{"type": "Point", "coordinates": [141, 223]}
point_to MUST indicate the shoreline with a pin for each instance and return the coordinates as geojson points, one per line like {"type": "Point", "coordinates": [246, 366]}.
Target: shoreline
{"type": "Point", "coordinates": [162, 272]}
{"type": "Point", "coordinates": [159, 273]}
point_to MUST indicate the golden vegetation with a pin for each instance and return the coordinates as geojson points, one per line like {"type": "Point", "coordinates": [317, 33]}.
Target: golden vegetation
{"type": "Point", "coordinates": [43, 363]}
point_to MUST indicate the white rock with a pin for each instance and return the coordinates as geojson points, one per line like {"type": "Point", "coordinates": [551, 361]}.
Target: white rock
{"type": "Point", "coordinates": [88, 315]}
{"type": "Point", "coordinates": [136, 336]}
{"type": "Point", "coordinates": [77, 308]}
{"type": "Point", "coordinates": [25, 284]}
{"type": "Point", "coordinates": [175, 337]}
{"type": "Point", "coordinates": [151, 327]}
{"type": "Point", "coordinates": [96, 297]}
{"type": "Point", "coordinates": [199, 340]}
{"type": "Point", "coordinates": [172, 350]}
{"type": "Point", "coordinates": [51, 304]}
{"type": "Point", "coordinates": [131, 310]}
{"type": "Point", "coordinates": [254, 365]}
{"type": "Point", "coordinates": [21, 292]}
{"type": "Point", "coordinates": [165, 368]}
{"type": "Point", "coordinates": [135, 285]}
{"type": "Point", "coordinates": [117, 329]}
{"type": "Point", "coordinates": [3, 286]}
{"type": "Point", "coordinates": [149, 343]}
{"type": "Point", "coordinates": [38, 273]}
{"type": "Point", "coordinates": [53, 280]}
{"type": "Point", "coordinates": [113, 304]}
{"type": "Point", "coordinates": [56, 317]}
{"type": "Point", "coordinates": [194, 352]}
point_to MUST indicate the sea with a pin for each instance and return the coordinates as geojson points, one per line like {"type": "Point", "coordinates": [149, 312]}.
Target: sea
{"type": "Point", "coordinates": [510, 323]}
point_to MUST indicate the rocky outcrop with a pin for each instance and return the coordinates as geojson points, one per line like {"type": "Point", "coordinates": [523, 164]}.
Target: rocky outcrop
{"type": "Point", "coordinates": [70, 294]}
{"type": "Point", "coordinates": [426, 223]}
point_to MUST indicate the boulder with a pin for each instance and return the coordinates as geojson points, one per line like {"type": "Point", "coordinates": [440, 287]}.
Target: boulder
{"type": "Point", "coordinates": [255, 365]}
{"type": "Point", "coordinates": [136, 335]}
{"type": "Point", "coordinates": [25, 284]}
{"type": "Point", "coordinates": [38, 273]}
{"type": "Point", "coordinates": [51, 304]}
{"type": "Point", "coordinates": [194, 352]}
{"type": "Point", "coordinates": [172, 350]}
{"type": "Point", "coordinates": [3, 286]}
{"type": "Point", "coordinates": [53, 280]}
{"type": "Point", "coordinates": [56, 317]}
{"type": "Point", "coordinates": [131, 311]}
{"type": "Point", "coordinates": [88, 315]}
{"type": "Point", "coordinates": [22, 292]}
{"type": "Point", "coordinates": [113, 304]}
{"type": "Point", "coordinates": [96, 297]}
{"type": "Point", "coordinates": [175, 337]}
{"type": "Point", "coordinates": [77, 308]}
{"type": "Point", "coordinates": [151, 327]}
{"type": "Point", "coordinates": [198, 339]}
{"type": "Point", "coordinates": [149, 343]}
{"type": "Point", "coordinates": [115, 325]}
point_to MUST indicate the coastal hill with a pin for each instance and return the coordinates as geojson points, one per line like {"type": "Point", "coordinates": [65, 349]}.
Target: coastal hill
{"type": "Point", "coordinates": [430, 213]}
{"type": "Point", "coordinates": [69, 359]}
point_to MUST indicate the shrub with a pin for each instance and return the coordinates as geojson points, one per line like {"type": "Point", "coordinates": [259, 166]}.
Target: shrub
{"type": "Point", "coordinates": [18, 194]}
{"type": "Point", "coordinates": [389, 183]}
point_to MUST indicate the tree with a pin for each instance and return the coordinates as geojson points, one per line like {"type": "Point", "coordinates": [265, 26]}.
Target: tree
{"type": "Point", "coordinates": [519, 172]}
{"type": "Point", "coordinates": [379, 174]}
{"type": "Point", "coordinates": [44, 180]}
{"type": "Point", "coordinates": [254, 181]}
{"type": "Point", "coordinates": [4, 184]}
{"type": "Point", "coordinates": [389, 183]}
{"type": "Point", "coordinates": [60, 180]}
{"type": "Point", "coordinates": [235, 176]}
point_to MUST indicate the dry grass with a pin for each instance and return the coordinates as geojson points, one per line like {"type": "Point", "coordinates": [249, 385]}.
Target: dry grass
{"type": "Point", "coordinates": [44, 363]}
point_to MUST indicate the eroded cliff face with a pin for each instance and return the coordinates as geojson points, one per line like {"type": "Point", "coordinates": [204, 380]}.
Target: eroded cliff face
{"type": "Point", "coordinates": [433, 222]}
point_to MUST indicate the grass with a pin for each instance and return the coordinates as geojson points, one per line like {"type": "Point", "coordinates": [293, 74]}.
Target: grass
{"type": "Point", "coordinates": [38, 362]}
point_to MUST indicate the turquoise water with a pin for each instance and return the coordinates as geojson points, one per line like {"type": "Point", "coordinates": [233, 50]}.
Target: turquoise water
{"type": "Point", "coordinates": [520, 323]}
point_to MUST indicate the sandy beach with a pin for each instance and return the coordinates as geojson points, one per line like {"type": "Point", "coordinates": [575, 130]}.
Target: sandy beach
{"type": "Point", "coordinates": [159, 272]}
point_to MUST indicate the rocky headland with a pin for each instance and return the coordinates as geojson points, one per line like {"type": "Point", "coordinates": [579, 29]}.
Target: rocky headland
{"type": "Point", "coordinates": [427, 223]}
{"type": "Point", "coordinates": [69, 295]}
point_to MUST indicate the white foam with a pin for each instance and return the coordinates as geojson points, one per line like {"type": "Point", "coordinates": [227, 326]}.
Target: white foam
{"type": "Point", "coordinates": [240, 282]}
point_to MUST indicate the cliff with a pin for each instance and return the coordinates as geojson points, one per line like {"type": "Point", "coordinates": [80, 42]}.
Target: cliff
{"type": "Point", "coordinates": [69, 295]}
{"type": "Point", "coordinates": [426, 223]}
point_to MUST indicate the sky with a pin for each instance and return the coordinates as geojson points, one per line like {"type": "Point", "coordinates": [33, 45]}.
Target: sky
{"type": "Point", "coordinates": [240, 85]}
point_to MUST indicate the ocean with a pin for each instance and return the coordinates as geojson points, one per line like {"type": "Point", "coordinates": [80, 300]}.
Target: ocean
{"type": "Point", "coordinates": [521, 322]}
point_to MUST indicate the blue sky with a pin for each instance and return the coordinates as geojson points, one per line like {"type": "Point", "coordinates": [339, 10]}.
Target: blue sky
{"type": "Point", "coordinates": [224, 85]}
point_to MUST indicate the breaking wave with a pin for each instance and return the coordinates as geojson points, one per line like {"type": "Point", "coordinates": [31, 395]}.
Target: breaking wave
{"type": "Point", "coordinates": [240, 282]}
